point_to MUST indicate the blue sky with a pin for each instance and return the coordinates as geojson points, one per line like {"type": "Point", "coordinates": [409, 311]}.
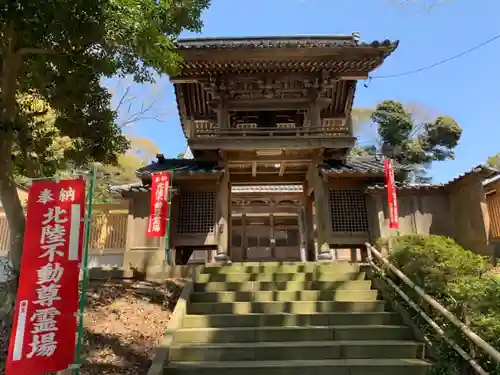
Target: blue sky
{"type": "Point", "coordinates": [466, 89]}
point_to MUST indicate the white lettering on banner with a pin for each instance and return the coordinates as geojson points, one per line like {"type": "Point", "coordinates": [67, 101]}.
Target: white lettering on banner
{"type": "Point", "coordinates": [54, 214]}
{"type": "Point", "coordinates": [52, 234]}
{"type": "Point", "coordinates": [47, 295]}
{"type": "Point", "coordinates": [44, 320]}
{"type": "Point", "coordinates": [45, 196]}
{"type": "Point", "coordinates": [156, 221]}
{"type": "Point", "coordinates": [43, 345]}
{"type": "Point", "coordinates": [67, 195]}
{"type": "Point", "coordinates": [50, 273]}
{"type": "Point", "coordinates": [49, 276]}
{"type": "Point", "coordinates": [160, 192]}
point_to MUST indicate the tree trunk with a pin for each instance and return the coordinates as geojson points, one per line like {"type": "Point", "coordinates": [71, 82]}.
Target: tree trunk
{"type": "Point", "coordinates": [11, 64]}
{"type": "Point", "coordinates": [11, 203]}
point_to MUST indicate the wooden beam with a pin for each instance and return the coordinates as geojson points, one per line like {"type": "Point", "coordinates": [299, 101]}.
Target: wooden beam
{"type": "Point", "coordinates": [289, 178]}
{"type": "Point", "coordinates": [238, 143]}
{"type": "Point", "coordinates": [254, 169]}
{"type": "Point", "coordinates": [274, 104]}
{"type": "Point", "coordinates": [261, 209]}
{"type": "Point", "coordinates": [203, 77]}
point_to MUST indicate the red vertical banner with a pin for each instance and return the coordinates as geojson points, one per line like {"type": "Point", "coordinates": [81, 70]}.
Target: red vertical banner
{"type": "Point", "coordinates": [43, 335]}
{"type": "Point", "coordinates": [159, 204]}
{"type": "Point", "coordinates": [392, 200]}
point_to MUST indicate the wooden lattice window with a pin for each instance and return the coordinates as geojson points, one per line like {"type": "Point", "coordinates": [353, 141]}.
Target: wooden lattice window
{"type": "Point", "coordinates": [196, 212]}
{"type": "Point", "coordinates": [348, 211]}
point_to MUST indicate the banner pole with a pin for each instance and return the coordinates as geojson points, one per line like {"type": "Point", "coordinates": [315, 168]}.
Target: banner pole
{"type": "Point", "coordinates": [167, 233]}
{"type": "Point", "coordinates": [85, 262]}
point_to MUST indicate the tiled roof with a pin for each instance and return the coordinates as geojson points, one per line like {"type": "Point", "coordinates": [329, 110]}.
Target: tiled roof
{"type": "Point", "coordinates": [139, 187]}
{"type": "Point", "coordinates": [358, 164]}
{"type": "Point", "coordinates": [485, 171]}
{"type": "Point", "coordinates": [308, 41]}
{"type": "Point", "coordinates": [404, 186]}
{"type": "Point", "coordinates": [136, 187]}
{"type": "Point", "coordinates": [182, 166]}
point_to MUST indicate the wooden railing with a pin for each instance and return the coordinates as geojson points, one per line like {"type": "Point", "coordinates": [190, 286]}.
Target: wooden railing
{"type": "Point", "coordinates": [108, 231]}
{"type": "Point", "coordinates": [305, 132]}
{"type": "Point", "coordinates": [427, 306]}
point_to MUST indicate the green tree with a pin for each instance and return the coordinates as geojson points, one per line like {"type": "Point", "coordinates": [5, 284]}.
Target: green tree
{"type": "Point", "coordinates": [494, 161]}
{"type": "Point", "coordinates": [141, 152]}
{"type": "Point", "coordinates": [58, 51]}
{"type": "Point", "coordinates": [411, 136]}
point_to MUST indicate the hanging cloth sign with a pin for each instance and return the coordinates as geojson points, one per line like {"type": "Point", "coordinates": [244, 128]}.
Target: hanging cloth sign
{"type": "Point", "coordinates": [43, 335]}
{"type": "Point", "coordinates": [159, 204]}
{"type": "Point", "coordinates": [392, 201]}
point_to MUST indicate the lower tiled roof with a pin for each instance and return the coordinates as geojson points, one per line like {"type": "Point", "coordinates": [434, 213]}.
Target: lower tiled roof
{"type": "Point", "coordinates": [358, 164]}
{"type": "Point", "coordinates": [183, 166]}
{"type": "Point", "coordinates": [484, 171]}
{"type": "Point", "coordinates": [140, 187]}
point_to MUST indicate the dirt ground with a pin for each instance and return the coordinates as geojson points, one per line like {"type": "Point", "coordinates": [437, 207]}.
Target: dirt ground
{"type": "Point", "coordinates": [123, 323]}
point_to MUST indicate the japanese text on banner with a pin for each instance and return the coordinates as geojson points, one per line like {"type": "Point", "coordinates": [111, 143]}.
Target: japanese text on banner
{"type": "Point", "coordinates": [392, 200]}
{"type": "Point", "coordinates": [44, 329]}
{"type": "Point", "coordinates": [159, 204]}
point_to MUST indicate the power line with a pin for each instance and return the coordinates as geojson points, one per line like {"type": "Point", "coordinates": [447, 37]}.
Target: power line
{"type": "Point", "coordinates": [439, 62]}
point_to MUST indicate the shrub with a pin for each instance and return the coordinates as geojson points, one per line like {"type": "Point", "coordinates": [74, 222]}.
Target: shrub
{"type": "Point", "coordinates": [457, 278]}
{"type": "Point", "coordinates": [433, 262]}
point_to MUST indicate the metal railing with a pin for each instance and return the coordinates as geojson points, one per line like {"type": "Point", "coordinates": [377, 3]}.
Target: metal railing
{"type": "Point", "coordinates": [306, 132]}
{"type": "Point", "coordinates": [374, 255]}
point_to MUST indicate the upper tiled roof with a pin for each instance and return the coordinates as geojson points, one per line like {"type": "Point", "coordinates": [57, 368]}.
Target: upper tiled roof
{"type": "Point", "coordinates": [358, 164]}
{"type": "Point", "coordinates": [306, 41]}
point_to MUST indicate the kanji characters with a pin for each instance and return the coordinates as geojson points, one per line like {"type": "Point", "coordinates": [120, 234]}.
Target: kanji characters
{"type": "Point", "coordinates": [67, 195]}
{"type": "Point", "coordinates": [45, 196]}
{"type": "Point", "coordinates": [55, 215]}
{"type": "Point", "coordinates": [52, 234]}
{"type": "Point", "coordinates": [44, 320]}
{"type": "Point", "coordinates": [47, 295]}
{"type": "Point", "coordinates": [50, 273]}
{"type": "Point", "coordinates": [51, 251]}
{"type": "Point", "coordinates": [43, 345]}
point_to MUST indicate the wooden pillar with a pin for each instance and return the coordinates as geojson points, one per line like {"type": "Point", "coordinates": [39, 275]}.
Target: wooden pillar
{"type": "Point", "coordinates": [272, 240]}
{"type": "Point", "coordinates": [222, 112]}
{"type": "Point", "coordinates": [244, 240]}
{"type": "Point", "coordinates": [223, 218]}
{"type": "Point", "coordinates": [302, 236]}
{"type": "Point", "coordinates": [350, 130]}
{"type": "Point", "coordinates": [314, 111]}
{"type": "Point", "coordinates": [322, 217]}
{"type": "Point", "coordinates": [308, 225]}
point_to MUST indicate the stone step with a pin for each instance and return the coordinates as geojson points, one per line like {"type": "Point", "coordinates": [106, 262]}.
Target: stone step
{"type": "Point", "coordinates": [304, 350]}
{"type": "Point", "coordinates": [285, 320]}
{"type": "Point", "coordinates": [280, 268]}
{"type": "Point", "coordinates": [278, 334]}
{"type": "Point", "coordinates": [295, 307]}
{"type": "Point", "coordinates": [282, 285]}
{"type": "Point", "coordinates": [303, 367]}
{"type": "Point", "coordinates": [266, 296]}
{"type": "Point", "coordinates": [243, 277]}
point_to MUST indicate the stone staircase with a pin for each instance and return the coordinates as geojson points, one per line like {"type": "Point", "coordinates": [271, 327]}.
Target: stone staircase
{"type": "Point", "coordinates": [291, 318]}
